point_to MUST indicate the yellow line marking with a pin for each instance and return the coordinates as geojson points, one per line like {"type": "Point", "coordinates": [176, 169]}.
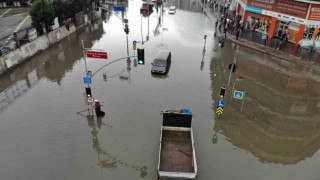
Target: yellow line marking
{"type": "Point", "coordinates": [20, 24]}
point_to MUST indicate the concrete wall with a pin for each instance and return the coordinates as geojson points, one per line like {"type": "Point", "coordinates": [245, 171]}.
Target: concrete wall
{"type": "Point", "coordinates": [19, 55]}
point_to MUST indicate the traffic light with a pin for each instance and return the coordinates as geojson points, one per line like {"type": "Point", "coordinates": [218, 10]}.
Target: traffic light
{"type": "Point", "coordinates": [234, 68]}
{"type": "Point", "coordinates": [140, 56]}
{"type": "Point", "coordinates": [126, 29]}
{"type": "Point", "coordinates": [222, 91]}
{"type": "Point", "coordinates": [88, 92]}
{"type": "Point", "coordinates": [221, 43]}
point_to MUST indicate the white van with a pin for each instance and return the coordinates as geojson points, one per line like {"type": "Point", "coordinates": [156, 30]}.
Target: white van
{"type": "Point", "coordinates": [162, 62]}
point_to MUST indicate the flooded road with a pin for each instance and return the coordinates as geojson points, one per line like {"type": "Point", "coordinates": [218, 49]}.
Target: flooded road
{"type": "Point", "coordinates": [46, 132]}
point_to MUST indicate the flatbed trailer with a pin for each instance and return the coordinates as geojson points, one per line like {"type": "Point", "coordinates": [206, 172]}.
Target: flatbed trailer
{"type": "Point", "coordinates": [177, 159]}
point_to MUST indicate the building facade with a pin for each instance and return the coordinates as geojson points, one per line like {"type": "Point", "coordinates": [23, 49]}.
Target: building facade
{"type": "Point", "coordinates": [299, 19]}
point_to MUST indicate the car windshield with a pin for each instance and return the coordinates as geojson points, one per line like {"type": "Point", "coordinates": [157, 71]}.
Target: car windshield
{"type": "Point", "coordinates": [172, 8]}
{"type": "Point", "coordinates": [159, 63]}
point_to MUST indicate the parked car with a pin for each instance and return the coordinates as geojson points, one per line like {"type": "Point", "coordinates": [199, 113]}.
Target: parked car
{"type": "Point", "coordinates": [162, 62]}
{"type": "Point", "coordinates": [172, 10]}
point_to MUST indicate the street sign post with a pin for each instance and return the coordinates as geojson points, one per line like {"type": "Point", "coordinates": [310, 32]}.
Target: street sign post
{"type": "Point", "coordinates": [90, 99]}
{"type": "Point", "coordinates": [238, 94]}
{"type": "Point", "coordinates": [220, 103]}
{"type": "Point", "coordinates": [96, 54]}
{"type": "Point", "coordinates": [232, 67]}
{"type": "Point", "coordinates": [118, 8]}
{"type": "Point", "coordinates": [87, 80]}
{"type": "Point", "coordinates": [219, 110]}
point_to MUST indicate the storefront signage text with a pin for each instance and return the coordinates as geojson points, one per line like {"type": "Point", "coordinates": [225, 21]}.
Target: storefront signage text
{"type": "Point", "coordinates": [314, 12]}
{"type": "Point", "coordinates": [290, 7]}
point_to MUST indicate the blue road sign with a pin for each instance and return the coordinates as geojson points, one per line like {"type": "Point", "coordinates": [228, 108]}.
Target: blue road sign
{"type": "Point", "coordinates": [87, 80]}
{"type": "Point", "coordinates": [220, 103]}
{"type": "Point", "coordinates": [134, 42]}
{"type": "Point", "coordinates": [238, 94]}
{"type": "Point", "coordinates": [118, 8]}
{"type": "Point", "coordinates": [204, 50]}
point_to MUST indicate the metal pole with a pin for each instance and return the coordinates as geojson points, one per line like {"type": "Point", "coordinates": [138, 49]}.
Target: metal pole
{"type": "Point", "coordinates": [234, 83]}
{"type": "Point", "coordinates": [84, 57]}
{"type": "Point", "coordinates": [230, 74]}
{"type": "Point", "coordinates": [127, 46]}
{"type": "Point", "coordinates": [233, 63]}
{"type": "Point", "coordinates": [242, 101]}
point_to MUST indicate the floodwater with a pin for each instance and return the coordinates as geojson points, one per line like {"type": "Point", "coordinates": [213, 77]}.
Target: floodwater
{"type": "Point", "coordinates": [47, 133]}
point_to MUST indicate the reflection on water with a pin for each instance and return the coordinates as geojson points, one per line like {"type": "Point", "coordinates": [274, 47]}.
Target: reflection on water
{"type": "Point", "coordinates": [280, 120]}
{"type": "Point", "coordinates": [51, 64]}
{"type": "Point", "coordinates": [105, 159]}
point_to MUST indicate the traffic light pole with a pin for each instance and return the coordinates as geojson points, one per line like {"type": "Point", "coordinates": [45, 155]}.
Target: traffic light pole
{"type": "Point", "coordinates": [233, 64]}
{"type": "Point", "coordinates": [84, 57]}
{"type": "Point", "coordinates": [111, 63]}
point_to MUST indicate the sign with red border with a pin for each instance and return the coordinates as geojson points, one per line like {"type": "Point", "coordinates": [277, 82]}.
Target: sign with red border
{"type": "Point", "coordinates": [90, 100]}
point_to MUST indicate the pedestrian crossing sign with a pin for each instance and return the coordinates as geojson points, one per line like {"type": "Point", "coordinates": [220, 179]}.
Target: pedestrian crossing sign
{"type": "Point", "coordinates": [238, 94]}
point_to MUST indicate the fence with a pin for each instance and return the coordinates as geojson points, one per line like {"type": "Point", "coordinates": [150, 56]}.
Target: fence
{"type": "Point", "coordinates": [17, 39]}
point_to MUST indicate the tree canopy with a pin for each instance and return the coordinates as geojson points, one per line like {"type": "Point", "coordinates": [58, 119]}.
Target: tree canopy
{"type": "Point", "coordinates": [42, 11]}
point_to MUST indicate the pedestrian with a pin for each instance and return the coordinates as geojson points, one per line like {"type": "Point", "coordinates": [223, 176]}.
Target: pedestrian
{"type": "Point", "coordinates": [279, 32]}
{"type": "Point", "coordinates": [283, 37]}
{"type": "Point", "coordinates": [97, 105]}
{"type": "Point", "coordinates": [225, 33]}
{"type": "Point", "coordinates": [265, 38]}
{"type": "Point", "coordinates": [305, 34]}
{"type": "Point", "coordinates": [318, 35]}
{"type": "Point", "coordinates": [237, 33]}
{"type": "Point", "coordinates": [217, 23]}
{"type": "Point", "coordinates": [315, 33]}
{"type": "Point", "coordinates": [312, 29]}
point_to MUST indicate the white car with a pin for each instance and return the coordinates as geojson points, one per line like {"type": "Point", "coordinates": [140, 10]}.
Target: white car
{"type": "Point", "coordinates": [172, 10]}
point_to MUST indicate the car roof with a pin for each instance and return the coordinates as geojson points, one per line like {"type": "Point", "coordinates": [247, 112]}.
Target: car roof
{"type": "Point", "coordinates": [163, 54]}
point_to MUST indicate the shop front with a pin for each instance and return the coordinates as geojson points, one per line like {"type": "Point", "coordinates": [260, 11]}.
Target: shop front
{"type": "Point", "coordinates": [276, 17]}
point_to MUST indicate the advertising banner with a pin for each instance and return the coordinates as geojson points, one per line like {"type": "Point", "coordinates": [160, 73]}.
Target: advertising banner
{"type": "Point", "coordinates": [314, 12]}
{"type": "Point", "coordinates": [289, 7]}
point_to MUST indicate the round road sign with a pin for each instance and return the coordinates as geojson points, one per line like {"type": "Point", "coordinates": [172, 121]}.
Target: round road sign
{"type": "Point", "coordinates": [134, 42]}
{"type": "Point", "coordinates": [90, 99]}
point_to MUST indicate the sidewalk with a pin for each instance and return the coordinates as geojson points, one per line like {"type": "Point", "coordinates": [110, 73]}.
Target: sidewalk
{"type": "Point", "coordinates": [252, 39]}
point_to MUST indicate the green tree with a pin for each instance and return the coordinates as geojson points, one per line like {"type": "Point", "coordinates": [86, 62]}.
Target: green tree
{"type": "Point", "coordinates": [41, 12]}
{"type": "Point", "coordinates": [61, 9]}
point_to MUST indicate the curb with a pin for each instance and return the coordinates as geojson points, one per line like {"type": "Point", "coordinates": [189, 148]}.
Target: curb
{"type": "Point", "coordinates": [263, 49]}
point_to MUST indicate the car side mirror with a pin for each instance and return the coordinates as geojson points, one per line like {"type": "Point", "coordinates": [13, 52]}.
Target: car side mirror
{"type": "Point", "coordinates": [151, 63]}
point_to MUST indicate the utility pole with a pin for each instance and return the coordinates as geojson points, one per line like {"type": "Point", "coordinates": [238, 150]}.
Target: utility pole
{"type": "Point", "coordinates": [126, 30]}
{"type": "Point", "coordinates": [232, 66]}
